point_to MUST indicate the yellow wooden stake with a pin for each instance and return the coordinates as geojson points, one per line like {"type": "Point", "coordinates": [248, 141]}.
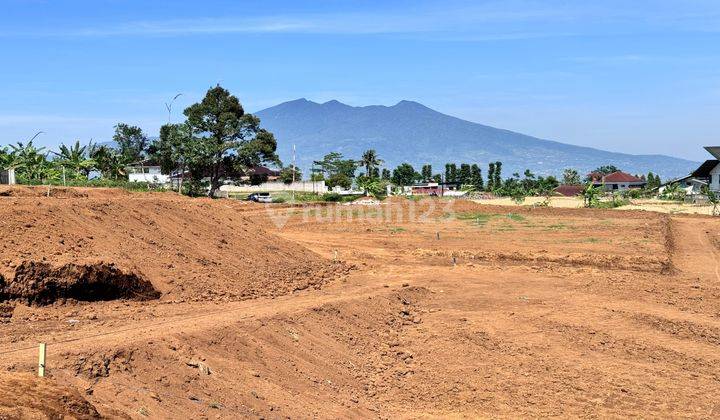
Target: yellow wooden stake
{"type": "Point", "coordinates": [41, 360]}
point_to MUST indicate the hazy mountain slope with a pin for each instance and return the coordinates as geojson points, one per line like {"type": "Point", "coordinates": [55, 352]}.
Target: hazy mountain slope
{"type": "Point", "coordinates": [411, 132]}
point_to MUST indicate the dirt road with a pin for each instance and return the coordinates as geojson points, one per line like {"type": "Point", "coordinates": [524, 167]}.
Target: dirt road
{"type": "Point", "coordinates": [478, 312]}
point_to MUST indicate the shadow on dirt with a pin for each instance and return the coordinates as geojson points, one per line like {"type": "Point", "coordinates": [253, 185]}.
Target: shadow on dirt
{"type": "Point", "coordinates": [38, 283]}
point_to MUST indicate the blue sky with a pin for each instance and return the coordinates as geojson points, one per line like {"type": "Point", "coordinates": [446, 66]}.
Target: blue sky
{"type": "Point", "coordinates": [636, 77]}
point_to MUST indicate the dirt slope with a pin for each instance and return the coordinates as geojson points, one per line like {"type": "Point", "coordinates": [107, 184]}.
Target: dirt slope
{"type": "Point", "coordinates": [25, 396]}
{"type": "Point", "coordinates": [188, 249]}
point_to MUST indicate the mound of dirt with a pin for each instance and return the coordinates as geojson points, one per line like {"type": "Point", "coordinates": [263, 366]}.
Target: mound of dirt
{"type": "Point", "coordinates": [42, 284]}
{"type": "Point", "coordinates": [189, 249]}
{"type": "Point", "coordinates": [42, 191]}
{"type": "Point", "coordinates": [25, 396]}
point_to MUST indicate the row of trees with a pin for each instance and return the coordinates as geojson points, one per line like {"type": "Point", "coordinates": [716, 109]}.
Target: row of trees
{"type": "Point", "coordinates": [217, 138]}
{"type": "Point", "coordinates": [75, 162]}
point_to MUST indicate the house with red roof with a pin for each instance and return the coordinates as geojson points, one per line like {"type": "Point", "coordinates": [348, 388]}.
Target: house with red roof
{"type": "Point", "coordinates": [616, 181]}
{"type": "Point", "coordinates": [567, 190]}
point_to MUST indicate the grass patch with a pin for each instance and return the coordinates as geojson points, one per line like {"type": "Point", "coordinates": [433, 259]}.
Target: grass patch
{"type": "Point", "coordinates": [397, 230]}
{"type": "Point", "coordinates": [516, 217]}
{"type": "Point", "coordinates": [480, 219]}
{"type": "Point", "coordinates": [506, 228]}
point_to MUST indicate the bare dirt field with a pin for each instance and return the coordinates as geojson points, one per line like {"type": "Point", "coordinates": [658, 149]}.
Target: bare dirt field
{"type": "Point", "coordinates": [646, 204]}
{"type": "Point", "coordinates": [157, 306]}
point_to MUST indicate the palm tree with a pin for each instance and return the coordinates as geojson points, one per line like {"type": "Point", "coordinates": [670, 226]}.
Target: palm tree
{"type": "Point", "coordinates": [370, 161]}
{"type": "Point", "coordinates": [591, 195]}
{"type": "Point", "coordinates": [7, 159]}
{"type": "Point", "coordinates": [674, 192]}
{"type": "Point", "coordinates": [31, 162]}
{"type": "Point", "coordinates": [75, 158]}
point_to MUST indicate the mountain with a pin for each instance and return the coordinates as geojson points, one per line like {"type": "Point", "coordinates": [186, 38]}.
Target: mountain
{"type": "Point", "coordinates": [411, 132]}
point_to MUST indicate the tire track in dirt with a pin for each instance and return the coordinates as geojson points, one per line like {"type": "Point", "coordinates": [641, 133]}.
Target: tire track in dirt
{"type": "Point", "coordinates": [226, 314]}
{"type": "Point", "coordinates": [695, 253]}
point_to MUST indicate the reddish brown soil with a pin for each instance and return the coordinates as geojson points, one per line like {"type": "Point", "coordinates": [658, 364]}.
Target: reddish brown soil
{"type": "Point", "coordinates": [24, 396]}
{"type": "Point", "coordinates": [512, 312]}
{"type": "Point", "coordinates": [188, 249]}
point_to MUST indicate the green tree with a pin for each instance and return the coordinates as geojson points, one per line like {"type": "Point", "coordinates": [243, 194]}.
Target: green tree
{"type": "Point", "coordinates": [476, 178]}
{"type": "Point", "coordinates": [497, 175]}
{"type": "Point", "coordinates": [674, 192]}
{"type": "Point", "coordinates": [653, 181]}
{"type": "Point", "coordinates": [228, 136]}
{"type": "Point", "coordinates": [405, 175]}
{"type": "Point", "coordinates": [650, 181]}
{"type": "Point", "coordinates": [371, 162]}
{"type": "Point", "coordinates": [75, 160]}
{"type": "Point", "coordinates": [606, 169]}
{"type": "Point", "coordinates": [491, 177]}
{"type": "Point", "coordinates": [372, 186]}
{"type": "Point", "coordinates": [450, 172]}
{"type": "Point", "coordinates": [131, 142]}
{"type": "Point", "coordinates": [591, 195]}
{"type": "Point", "coordinates": [7, 159]}
{"type": "Point", "coordinates": [386, 174]}
{"type": "Point", "coordinates": [334, 164]}
{"type": "Point", "coordinates": [31, 162]}
{"type": "Point", "coordinates": [463, 176]}
{"type": "Point", "coordinates": [290, 173]}
{"type": "Point", "coordinates": [426, 172]}
{"type": "Point", "coordinates": [177, 150]}
{"type": "Point", "coordinates": [108, 161]}
{"type": "Point", "coordinates": [571, 177]}
{"type": "Point", "coordinates": [339, 180]}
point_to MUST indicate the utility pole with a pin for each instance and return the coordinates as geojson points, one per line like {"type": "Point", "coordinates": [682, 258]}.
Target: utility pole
{"type": "Point", "coordinates": [168, 106]}
{"type": "Point", "coordinates": [294, 168]}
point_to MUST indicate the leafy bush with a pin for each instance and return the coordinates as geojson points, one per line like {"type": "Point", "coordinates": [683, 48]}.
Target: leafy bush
{"type": "Point", "coordinates": [95, 183]}
{"type": "Point", "coordinates": [332, 197]}
{"type": "Point", "coordinates": [616, 201]}
{"type": "Point", "coordinates": [195, 188]}
{"type": "Point", "coordinates": [633, 193]}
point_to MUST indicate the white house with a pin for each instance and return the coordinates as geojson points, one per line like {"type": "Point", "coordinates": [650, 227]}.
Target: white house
{"type": "Point", "coordinates": [150, 174]}
{"type": "Point", "coordinates": [615, 181]}
{"type": "Point", "coordinates": [691, 185]}
{"type": "Point", "coordinates": [7, 176]}
{"type": "Point", "coordinates": [709, 171]}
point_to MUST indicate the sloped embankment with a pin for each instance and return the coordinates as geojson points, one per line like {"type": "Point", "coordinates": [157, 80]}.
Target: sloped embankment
{"type": "Point", "coordinates": [188, 249]}
{"type": "Point", "coordinates": [25, 396]}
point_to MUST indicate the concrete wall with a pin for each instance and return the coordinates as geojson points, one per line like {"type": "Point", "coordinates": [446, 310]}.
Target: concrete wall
{"type": "Point", "coordinates": [304, 186]}
{"type": "Point", "coordinates": [7, 177]}
{"type": "Point", "coordinates": [622, 186]}
{"type": "Point", "coordinates": [150, 178]}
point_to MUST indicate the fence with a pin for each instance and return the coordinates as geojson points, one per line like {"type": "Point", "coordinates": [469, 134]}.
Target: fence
{"type": "Point", "coordinates": [303, 186]}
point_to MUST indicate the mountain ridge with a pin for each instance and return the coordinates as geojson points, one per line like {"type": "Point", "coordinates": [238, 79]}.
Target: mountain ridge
{"type": "Point", "coordinates": [412, 132]}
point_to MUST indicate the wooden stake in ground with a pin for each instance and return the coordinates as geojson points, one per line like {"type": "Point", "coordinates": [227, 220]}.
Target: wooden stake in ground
{"type": "Point", "coordinates": [41, 360]}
